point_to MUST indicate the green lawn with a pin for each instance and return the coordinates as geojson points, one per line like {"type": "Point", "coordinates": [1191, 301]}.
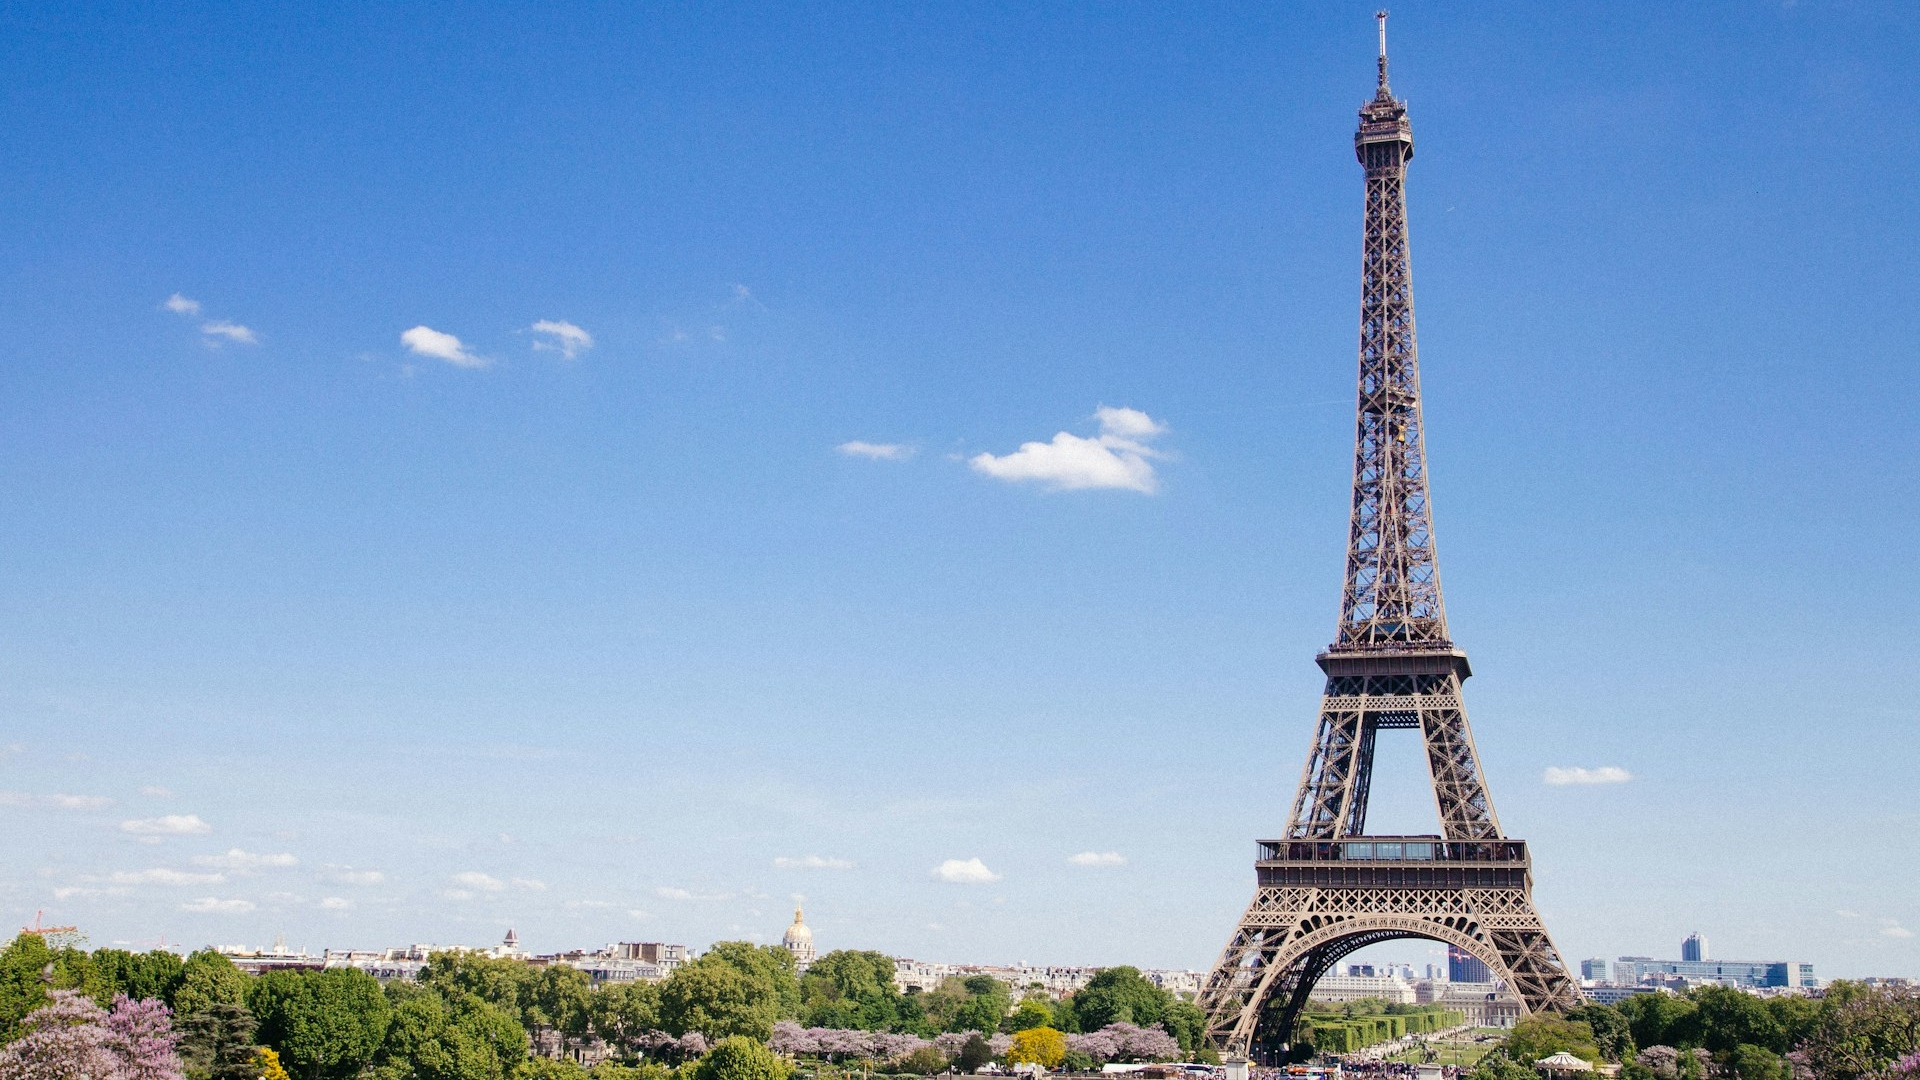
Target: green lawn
{"type": "Point", "coordinates": [1448, 1053]}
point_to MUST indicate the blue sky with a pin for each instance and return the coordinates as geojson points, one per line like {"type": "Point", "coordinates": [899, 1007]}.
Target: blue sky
{"type": "Point", "coordinates": [472, 633]}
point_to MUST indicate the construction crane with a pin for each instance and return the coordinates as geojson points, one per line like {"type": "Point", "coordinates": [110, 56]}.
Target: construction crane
{"type": "Point", "coordinates": [56, 937]}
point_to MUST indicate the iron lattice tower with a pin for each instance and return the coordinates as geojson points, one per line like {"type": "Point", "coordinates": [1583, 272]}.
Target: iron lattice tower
{"type": "Point", "coordinates": [1328, 888]}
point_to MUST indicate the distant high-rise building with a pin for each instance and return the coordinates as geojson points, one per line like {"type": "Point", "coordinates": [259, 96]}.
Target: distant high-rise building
{"type": "Point", "coordinates": [1463, 966]}
{"type": "Point", "coordinates": [1594, 970]}
{"type": "Point", "coordinates": [1694, 949]}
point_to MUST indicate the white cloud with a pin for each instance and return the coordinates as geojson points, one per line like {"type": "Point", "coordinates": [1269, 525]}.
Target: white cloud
{"type": "Point", "coordinates": [876, 451]}
{"type": "Point", "coordinates": [235, 859]}
{"type": "Point", "coordinates": [568, 340]}
{"type": "Point", "coordinates": [335, 903]}
{"type": "Point", "coordinates": [812, 862]}
{"type": "Point", "coordinates": [529, 884]}
{"type": "Point", "coordinates": [66, 892]}
{"type": "Point", "coordinates": [208, 905]}
{"type": "Point", "coordinates": [456, 894]}
{"type": "Point", "coordinates": [965, 872]}
{"type": "Point", "coordinates": [1560, 776]}
{"type": "Point", "coordinates": [156, 791]}
{"type": "Point", "coordinates": [167, 825]}
{"type": "Point", "coordinates": [232, 331]}
{"type": "Point", "coordinates": [347, 875]}
{"type": "Point", "coordinates": [427, 341]}
{"type": "Point", "coordinates": [1118, 457]}
{"type": "Point", "coordinates": [669, 892]}
{"type": "Point", "coordinates": [160, 875]}
{"type": "Point", "coordinates": [1895, 930]}
{"type": "Point", "coordinates": [57, 802]}
{"type": "Point", "coordinates": [180, 305]}
{"type": "Point", "coordinates": [474, 879]}
{"type": "Point", "coordinates": [1098, 858]}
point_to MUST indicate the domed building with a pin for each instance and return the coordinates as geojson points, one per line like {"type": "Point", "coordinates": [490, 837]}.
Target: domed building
{"type": "Point", "coordinates": [798, 940]}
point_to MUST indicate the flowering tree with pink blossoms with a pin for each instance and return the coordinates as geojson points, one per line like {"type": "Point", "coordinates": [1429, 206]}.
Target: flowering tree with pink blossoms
{"type": "Point", "coordinates": [1126, 1042]}
{"type": "Point", "coordinates": [71, 1038]}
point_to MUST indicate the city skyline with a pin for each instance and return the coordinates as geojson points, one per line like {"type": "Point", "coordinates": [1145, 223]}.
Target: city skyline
{"type": "Point", "coordinates": [618, 470]}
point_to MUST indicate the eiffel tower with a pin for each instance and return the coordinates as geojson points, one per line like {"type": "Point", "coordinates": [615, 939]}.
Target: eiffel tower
{"type": "Point", "coordinates": [1327, 887]}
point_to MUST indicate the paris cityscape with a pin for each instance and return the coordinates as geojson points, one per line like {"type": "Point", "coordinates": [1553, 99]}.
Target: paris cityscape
{"type": "Point", "coordinates": [535, 552]}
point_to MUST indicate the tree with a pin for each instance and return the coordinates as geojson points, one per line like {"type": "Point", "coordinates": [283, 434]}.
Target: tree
{"type": "Point", "coordinates": [1188, 1025]}
{"type": "Point", "coordinates": [1611, 1031]}
{"type": "Point", "coordinates": [217, 1043]}
{"type": "Point", "coordinates": [1042, 1046]}
{"type": "Point", "coordinates": [267, 1065]}
{"type": "Point", "coordinates": [716, 1000]}
{"type": "Point", "coordinates": [1499, 1066]}
{"type": "Point", "coordinates": [1033, 1012]}
{"type": "Point", "coordinates": [500, 981]}
{"type": "Point", "coordinates": [1749, 1062]}
{"type": "Point", "coordinates": [925, 1061]}
{"type": "Point", "coordinates": [72, 1038]}
{"type": "Point", "coordinates": [138, 975]}
{"type": "Point", "coordinates": [740, 1058]}
{"type": "Point", "coordinates": [559, 997]}
{"type": "Point", "coordinates": [624, 1013]}
{"type": "Point", "coordinates": [1727, 1018]}
{"type": "Point", "coordinates": [431, 1036]}
{"type": "Point", "coordinates": [1861, 1031]}
{"type": "Point", "coordinates": [28, 970]}
{"type": "Point", "coordinates": [770, 968]}
{"type": "Point", "coordinates": [850, 989]}
{"type": "Point", "coordinates": [208, 978]}
{"type": "Point", "coordinates": [1545, 1034]}
{"type": "Point", "coordinates": [974, 1053]}
{"type": "Point", "coordinates": [325, 1024]}
{"type": "Point", "coordinates": [1660, 1020]}
{"type": "Point", "coordinates": [1120, 995]}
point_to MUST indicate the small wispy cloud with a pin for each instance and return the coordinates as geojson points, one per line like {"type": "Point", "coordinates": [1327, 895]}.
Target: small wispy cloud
{"type": "Point", "coordinates": [181, 305]}
{"type": "Point", "coordinates": [68, 892]}
{"type": "Point", "coordinates": [876, 451]}
{"type": "Point", "coordinates": [160, 875]}
{"type": "Point", "coordinates": [1893, 929]}
{"type": "Point", "coordinates": [167, 825]}
{"type": "Point", "coordinates": [336, 903]}
{"type": "Point", "coordinates": [812, 862]}
{"type": "Point", "coordinates": [674, 892]}
{"type": "Point", "coordinates": [562, 337]}
{"type": "Point", "coordinates": [236, 859]}
{"type": "Point", "coordinates": [1117, 458]}
{"type": "Point", "coordinates": [965, 872]}
{"type": "Point", "coordinates": [222, 330]}
{"type": "Point", "coordinates": [1562, 776]}
{"type": "Point", "coordinates": [347, 875]}
{"type": "Point", "coordinates": [474, 879]}
{"type": "Point", "coordinates": [208, 905]}
{"type": "Point", "coordinates": [1098, 858]}
{"type": "Point", "coordinates": [56, 802]}
{"type": "Point", "coordinates": [529, 884]}
{"type": "Point", "coordinates": [426, 341]}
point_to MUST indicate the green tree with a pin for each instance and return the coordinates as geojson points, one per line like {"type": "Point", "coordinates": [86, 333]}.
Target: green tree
{"type": "Point", "coordinates": [208, 978]}
{"type": "Point", "coordinates": [924, 1061]}
{"type": "Point", "coordinates": [973, 1053]}
{"type": "Point", "coordinates": [849, 989]}
{"type": "Point", "coordinates": [740, 1058]}
{"type": "Point", "coordinates": [1749, 1062]}
{"type": "Point", "coordinates": [28, 969]}
{"type": "Point", "coordinates": [1860, 1031]}
{"type": "Point", "coordinates": [1498, 1066]}
{"type": "Point", "coordinates": [1187, 1024]}
{"type": "Point", "coordinates": [1034, 1011]}
{"type": "Point", "coordinates": [1727, 1018]}
{"type": "Point", "coordinates": [622, 1013]}
{"type": "Point", "coordinates": [717, 1000]}
{"type": "Point", "coordinates": [325, 1024]}
{"type": "Point", "coordinates": [500, 981]}
{"type": "Point", "coordinates": [436, 1036]}
{"type": "Point", "coordinates": [1611, 1031]}
{"type": "Point", "coordinates": [1545, 1034]}
{"type": "Point", "coordinates": [137, 975]}
{"type": "Point", "coordinates": [217, 1043]}
{"type": "Point", "coordinates": [550, 1069]}
{"type": "Point", "coordinates": [1660, 1020]}
{"type": "Point", "coordinates": [1120, 995]}
{"type": "Point", "coordinates": [769, 967]}
{"type": "Point", "coordinates": [559, 997]}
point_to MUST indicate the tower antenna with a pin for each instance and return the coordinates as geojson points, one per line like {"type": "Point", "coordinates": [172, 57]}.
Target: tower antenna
{"type": "Point", "coordinates": [1381, 16]}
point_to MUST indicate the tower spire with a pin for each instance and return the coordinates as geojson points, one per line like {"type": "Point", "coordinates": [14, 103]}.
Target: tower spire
{"type": "Point", "coordinates": [1381, 17]}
